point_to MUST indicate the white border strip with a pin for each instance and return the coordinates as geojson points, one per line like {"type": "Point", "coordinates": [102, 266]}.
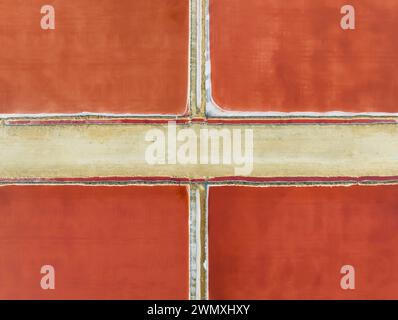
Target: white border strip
{"type": "Point", "coordinates": [86, 114]}
{"type": "Point", "coordinates": [198, 247]}
{"type": "Point", "coordinates": [194, 244]}
{"type": "Point", "coordinates": [199, 54]}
